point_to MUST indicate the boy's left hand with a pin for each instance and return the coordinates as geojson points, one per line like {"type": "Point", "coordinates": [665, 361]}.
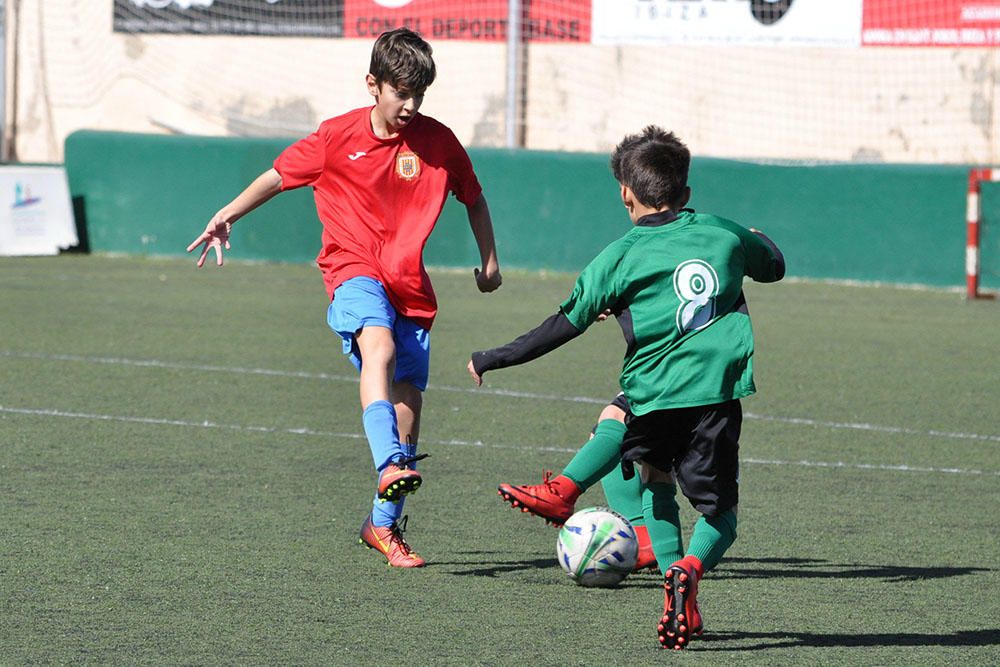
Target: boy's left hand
{"type": "Point", "coordinates": [488, 280]}
{"type": "Point", "coordinates": [476, 377]}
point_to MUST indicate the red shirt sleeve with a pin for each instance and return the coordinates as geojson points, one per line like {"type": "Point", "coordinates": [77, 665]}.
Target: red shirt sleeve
{"type": "Point", "coordinates": [461, 176]}
{"type": "Point", "coordinates": [302, 163]}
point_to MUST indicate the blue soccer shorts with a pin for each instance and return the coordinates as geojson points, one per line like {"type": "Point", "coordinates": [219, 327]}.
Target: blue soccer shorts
{"type": "Point", "coordinates": [361, 302]}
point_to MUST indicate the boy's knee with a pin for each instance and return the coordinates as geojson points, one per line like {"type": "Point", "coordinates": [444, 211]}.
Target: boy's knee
{"type": "Point", "coordinates": [612, 412]}
{"type": "Point", "coordinates": [408, 395]}
{"type": "Point", "coordinates": [376, 345]}
{"type": "Point", "coordinates": [650, 474]}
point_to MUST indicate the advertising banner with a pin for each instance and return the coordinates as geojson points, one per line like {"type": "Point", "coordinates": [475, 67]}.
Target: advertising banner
{"type": "Point", "coordinates": [475, 20]}
{"type": "Point", "coordinates": [728, 22]}
{"type": "Point", "coordinates": [939, 23]}
{"type": "Point", "coordinates": [301, 18]}
{"type": "Point", "coordinates": [36, 214]}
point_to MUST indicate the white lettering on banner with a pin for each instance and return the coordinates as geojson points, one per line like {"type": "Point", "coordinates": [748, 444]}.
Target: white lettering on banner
{"type": "Point", "coordinates": [163, 4]}
{"type": "Point", "coordinates": [188, 4]}
{"type": "Point", "coordinates": [36, 214]}
{"type": "Point", "coordinates": [981, 13]}
{"type": "Point", "coordinates": [932, 36]}
{"type": "Point", "coordinates": [728, 22]}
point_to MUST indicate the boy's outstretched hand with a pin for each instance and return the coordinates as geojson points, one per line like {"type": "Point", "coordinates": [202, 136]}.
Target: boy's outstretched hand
{"type": "Point", "coordinates": [216, 236]}
{"type": "Point", "coordinates": [488, 280]}
{"type": "Point", "coordinates": [476, 377]}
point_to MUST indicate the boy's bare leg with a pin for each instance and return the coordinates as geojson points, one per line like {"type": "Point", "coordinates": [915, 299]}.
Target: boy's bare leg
{"type": "Point", "coordinates": [389, 412]}
{"type": "Point", "coordinates": [378, 363]}
{"type": "Point", "coordinates": [408, 401]}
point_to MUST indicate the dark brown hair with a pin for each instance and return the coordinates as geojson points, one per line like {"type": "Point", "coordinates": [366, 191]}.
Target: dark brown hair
{"type": "Point", "coordinates": [654, 165]}
{"type": "Point", "coordinates": [403, 59]}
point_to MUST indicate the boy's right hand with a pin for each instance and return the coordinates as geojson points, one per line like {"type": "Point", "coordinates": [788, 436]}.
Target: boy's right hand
{"type": "Point", "coordinates": [216, 236]}
{"type": "Point", "coordinates": [488, 280]}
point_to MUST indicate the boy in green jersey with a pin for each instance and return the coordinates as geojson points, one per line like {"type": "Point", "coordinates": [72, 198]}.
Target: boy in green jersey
{"type": "Point", "coordinates": [675, 282]}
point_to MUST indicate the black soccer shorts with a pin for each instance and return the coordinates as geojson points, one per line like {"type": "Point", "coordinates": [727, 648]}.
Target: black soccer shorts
{"type": "Point", "coordinates": [699, 444]}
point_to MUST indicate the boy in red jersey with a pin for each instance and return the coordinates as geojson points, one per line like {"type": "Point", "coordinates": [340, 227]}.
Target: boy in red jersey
{"type": "Point", "coordinates": [380, 177]}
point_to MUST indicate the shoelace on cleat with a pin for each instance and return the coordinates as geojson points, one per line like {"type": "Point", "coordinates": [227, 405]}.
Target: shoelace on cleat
{"type": "Point", "coordinates": [549, 486]}
{"type": "Point", "coordinates": [397, 529]}
{"type": "Point", "coordinates": [405, 461]}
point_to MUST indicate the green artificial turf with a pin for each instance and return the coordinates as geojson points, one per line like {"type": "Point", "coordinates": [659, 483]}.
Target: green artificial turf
{"type": "Point", "coordinates": [183, 475]}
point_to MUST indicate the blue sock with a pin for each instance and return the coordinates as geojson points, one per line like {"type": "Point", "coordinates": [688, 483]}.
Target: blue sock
{"type": "Point", "coordinates": [379, 419]}
{"type": "Point", "coordinates": [386, 513]}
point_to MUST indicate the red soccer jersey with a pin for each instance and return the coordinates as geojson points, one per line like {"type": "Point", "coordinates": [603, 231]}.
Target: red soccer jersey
{"type": "Point", "coordinates": [378, 200]}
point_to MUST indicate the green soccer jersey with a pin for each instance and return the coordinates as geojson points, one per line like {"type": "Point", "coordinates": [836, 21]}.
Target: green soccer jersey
{"type": "Point", "coordinates": [678, 282]}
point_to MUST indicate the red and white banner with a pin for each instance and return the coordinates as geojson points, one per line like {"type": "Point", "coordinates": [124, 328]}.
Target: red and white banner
{"type": "Point", "coordinates": [728, 22]}
{"type": "Point", "coordinates": [931, 23]}
{"type": "Point", "coordinates": [848, 23]}
{"type": "Point", "coordinates": [476, 20]}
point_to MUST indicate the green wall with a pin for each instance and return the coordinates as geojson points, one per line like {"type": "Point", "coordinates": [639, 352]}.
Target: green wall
{"type": "Point", "coordinates": [153, 194]}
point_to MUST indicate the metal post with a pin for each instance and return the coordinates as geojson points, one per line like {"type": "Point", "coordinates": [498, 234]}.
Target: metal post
{"type": "Point", "coordinates": [513, 105]}
{"type": "Point", "coordinates": [973, 215]}
{"type": "Point", "coordinates": [3, 81]}
{"type": "Point", "coordinates": [972, 235]}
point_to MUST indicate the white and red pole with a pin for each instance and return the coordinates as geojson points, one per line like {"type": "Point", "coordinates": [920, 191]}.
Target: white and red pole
{"type": "Point", "coordinates": [972, 216]}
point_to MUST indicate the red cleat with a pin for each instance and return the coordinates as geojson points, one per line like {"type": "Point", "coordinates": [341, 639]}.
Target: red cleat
{"type": "Point", "coordinates": [646, 559]}
{"type": "Point", "coordinates": [399, 479]}
{"type": "Point", "coordinates": [681, 620]}
{"type": "Point", "coordinates": [553, 499]}
{"type": "Point", "coordinates": [388, 540]}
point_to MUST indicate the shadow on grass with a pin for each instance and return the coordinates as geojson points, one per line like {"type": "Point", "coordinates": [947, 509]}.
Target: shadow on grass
{"type": "Point", "coordinates": [806, 568]}
{"type": "Point", "coordinates": [481, 569]}
{"type": "Point", "coordinates": [771, 640]}
{"type": "Point", "coordinates": [741, 568]}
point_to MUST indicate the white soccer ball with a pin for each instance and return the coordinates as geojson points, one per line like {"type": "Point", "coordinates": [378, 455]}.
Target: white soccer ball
{"type": "Point", "coordinates": [597, 547]}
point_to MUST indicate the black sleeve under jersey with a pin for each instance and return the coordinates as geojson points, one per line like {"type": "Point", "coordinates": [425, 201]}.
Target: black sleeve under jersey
{"type": "Point", "coordinates": [544, 338]}
{"type": "Point", "coordinates": [779, 257]}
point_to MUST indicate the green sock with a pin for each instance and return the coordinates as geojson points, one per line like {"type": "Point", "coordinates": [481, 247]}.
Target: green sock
{"type": "Point", "coordinates": [598, 456]}
{"type": "Point", "coordinates": [712, 537]}
{"type": "Point", "coordinates": [624, 495]}
{"type": "Point", "coordinates": [663, 522]}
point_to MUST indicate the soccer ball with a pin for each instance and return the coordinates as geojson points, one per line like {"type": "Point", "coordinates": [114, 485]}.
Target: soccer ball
{"type": "Point", "coordinates": [597, 547]}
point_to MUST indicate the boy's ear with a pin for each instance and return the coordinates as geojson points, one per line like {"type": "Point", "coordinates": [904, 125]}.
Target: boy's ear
{"type": "Point", "coordinates": [684, 198]}
{"type": "Point", "coordinates": [627, 197]}
{"type": "Point", "coordinates": [372, 84]}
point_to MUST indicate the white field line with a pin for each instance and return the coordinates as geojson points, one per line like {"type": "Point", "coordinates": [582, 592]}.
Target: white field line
{"type": "Point", "coordinates": [37, 412]}
{"type": "Point", "coordinates": [153, 363]}
{"type": "Point", "coordinates": [797, 421]}
{"type": "Point", "coordinates": [874, 427]}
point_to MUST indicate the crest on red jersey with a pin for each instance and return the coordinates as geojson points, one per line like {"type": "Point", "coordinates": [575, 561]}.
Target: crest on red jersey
{"type": "Point", "coordinates": [407, 166]}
